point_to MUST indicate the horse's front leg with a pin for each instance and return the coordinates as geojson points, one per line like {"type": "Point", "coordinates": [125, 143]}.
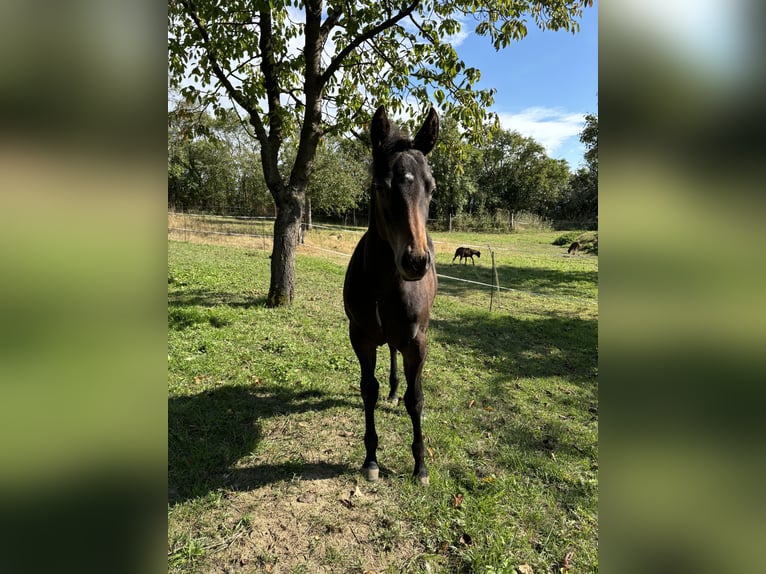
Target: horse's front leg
{"type": "Point", "coordinates": [366, 352]}
{"type": "Point", "coordinates": [414, 358]}
{"type": "Point", "coordinates": [393, 379]}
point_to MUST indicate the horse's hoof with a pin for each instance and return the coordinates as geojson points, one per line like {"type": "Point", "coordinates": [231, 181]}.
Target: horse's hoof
{"type": "Point", "coordinates": [371, 474]}
{"type": "Point", "coordinates": [393, 400]}
{"type": "Point", "coordinates": [424, 480]}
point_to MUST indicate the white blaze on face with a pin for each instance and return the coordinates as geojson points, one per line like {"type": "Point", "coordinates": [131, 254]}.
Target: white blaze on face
{"type": "Point", "coordinates": [405, 231]}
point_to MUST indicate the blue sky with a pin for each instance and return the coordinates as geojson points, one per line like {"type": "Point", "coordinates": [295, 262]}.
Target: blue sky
{"type": "Point", "coordinates": [545, 83]}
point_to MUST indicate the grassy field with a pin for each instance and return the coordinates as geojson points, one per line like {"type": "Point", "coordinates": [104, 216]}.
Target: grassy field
{"type": "Point", "coordinates": [266, 423]}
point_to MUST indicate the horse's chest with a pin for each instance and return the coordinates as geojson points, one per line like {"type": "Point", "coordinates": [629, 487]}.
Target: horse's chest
{"type": "Point", "coordinates": [396, 323]}
{"type": "Point", "coordinates": [401, 315]}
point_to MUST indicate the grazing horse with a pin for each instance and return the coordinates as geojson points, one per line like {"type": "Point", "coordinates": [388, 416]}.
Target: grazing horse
{"type": "Point", "coordinates": [391, 280]}
{"type": "Point", "coordinates": [465, 253]}
{"type": "Point", "coordinates": [574, 247]}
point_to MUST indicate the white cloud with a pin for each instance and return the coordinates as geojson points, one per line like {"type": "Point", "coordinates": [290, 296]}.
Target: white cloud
{"type": "Point", "coordinates": [456, 39]}
{"type": "Point", "coordinates": [551, 127]}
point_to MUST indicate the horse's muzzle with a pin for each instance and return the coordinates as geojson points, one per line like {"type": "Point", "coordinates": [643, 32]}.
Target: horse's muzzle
{"type": "Point", "coordinates": [414, 265]}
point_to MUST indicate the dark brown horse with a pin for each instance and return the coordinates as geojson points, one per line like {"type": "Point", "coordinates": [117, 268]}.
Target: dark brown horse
{"type": "Point", "coordinates": [391, 282]}
{"type": "Point", "coordinates": [465, 253]}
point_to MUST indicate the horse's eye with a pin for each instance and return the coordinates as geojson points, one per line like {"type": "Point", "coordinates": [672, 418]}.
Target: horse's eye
{"type": "Point", "coordinates": [383, 187]}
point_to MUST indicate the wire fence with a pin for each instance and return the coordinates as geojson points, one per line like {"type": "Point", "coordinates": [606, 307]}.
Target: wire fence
{"type": "Point", "coordinates": [260, 235]}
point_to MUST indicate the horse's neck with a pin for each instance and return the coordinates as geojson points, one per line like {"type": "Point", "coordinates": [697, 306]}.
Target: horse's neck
{"type": "Point", "coordinates": [379, 250]}
{"type": "Point", "coordinates": [372, 224]}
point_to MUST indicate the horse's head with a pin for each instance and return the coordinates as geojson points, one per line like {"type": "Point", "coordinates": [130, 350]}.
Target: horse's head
{"type": "Point", "coordinates": [402, 185]}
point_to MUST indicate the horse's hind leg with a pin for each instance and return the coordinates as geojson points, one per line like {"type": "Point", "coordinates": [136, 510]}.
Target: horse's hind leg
{"type": "Point", "coordinates": [393, 379]}
{"type": "Point", "coordinates": [414, 359]}
{"type": "Point", "coordinates": [366, 352]}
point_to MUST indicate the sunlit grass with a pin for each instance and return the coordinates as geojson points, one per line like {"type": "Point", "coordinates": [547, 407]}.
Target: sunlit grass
{"type": "Point", "coordinates": [262, 400]}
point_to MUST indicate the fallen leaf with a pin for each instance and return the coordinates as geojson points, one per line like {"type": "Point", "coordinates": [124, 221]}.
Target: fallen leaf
{"type": "Point", "coordinates": [489, 409]}
{"type": "Point", "coordinates": [457, 500]}
{"type": "Point", "coordinates": [307, 497]}
{"type": "Point", "coordinates": [567, 560]}
{"type": "Point", "coordinates": [357, 491]}
{"type": "Point", "coordinates": [431, 453]}
{"type": "Point", "coordinates": [443, 547]}
{"type": "Point", "coordinates": [524, 569]}
{"type": "Point", "coordinates": [489, 479]}
{"type": "Point", "coordinates": [473, 402]}
{"type": "Point", "coordinates": [346, 433]}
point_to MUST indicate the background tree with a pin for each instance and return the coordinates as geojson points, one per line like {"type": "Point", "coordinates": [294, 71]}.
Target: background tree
{"type": "Point", "coordinates": [212, 165]}
{"type": "Point", "coordinates": [339, 178]}
{"type": "Point", "coordinates": [581, 198]}
{"type": "Point", "coordinates": [319, 68]}
{"type": "Point", "coordinates": [200, 169]}
{"type": "Point", "coordinates": [454, 162]}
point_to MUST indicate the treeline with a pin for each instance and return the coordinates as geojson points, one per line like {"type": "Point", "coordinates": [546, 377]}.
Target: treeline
{"type": "Point", "coordinates": [214, 166]}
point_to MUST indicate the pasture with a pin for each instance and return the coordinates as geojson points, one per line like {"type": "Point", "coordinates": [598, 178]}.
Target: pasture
{"type": "Point", "coordinates": [265, 419]}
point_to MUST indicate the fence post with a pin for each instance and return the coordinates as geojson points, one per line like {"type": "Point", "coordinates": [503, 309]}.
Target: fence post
{"type": "Point", "coordinates": [496, 286]}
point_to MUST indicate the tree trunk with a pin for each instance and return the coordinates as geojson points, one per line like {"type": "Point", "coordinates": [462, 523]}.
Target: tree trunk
{"type": "Point", "coordinates": [286, 233]}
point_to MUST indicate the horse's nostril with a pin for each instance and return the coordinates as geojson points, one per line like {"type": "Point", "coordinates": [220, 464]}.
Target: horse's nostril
{"type": "Point", "coordinates": [417, 264]}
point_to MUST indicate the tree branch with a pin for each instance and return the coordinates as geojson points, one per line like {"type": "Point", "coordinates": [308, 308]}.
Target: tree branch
{"type": "Point", "coordinates": [234, 94]}
{"type": "Point", "coordinates": [330, 22]}
{"type": "Point", "coordinates": [269, 70]}
{"type": "Point", "coordinates": [356, 42]}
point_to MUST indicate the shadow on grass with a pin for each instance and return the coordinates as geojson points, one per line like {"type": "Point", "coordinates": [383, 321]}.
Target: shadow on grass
{"type": "Point", "coordinates": [194, 306]}
{"type": "Point", "coordinates": [210, 431]}
{"type": "Point", "coordinates": [209, 298]}
{"type": "Point", "coordinates": [562, 283]}
{"type": "Point", "coordinates": [526, 348]}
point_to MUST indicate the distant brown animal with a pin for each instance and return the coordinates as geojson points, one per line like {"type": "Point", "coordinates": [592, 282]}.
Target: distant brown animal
{"type": "Point", "coordinates": [465, 253]}
{"type": "Point", "coordinates": [574, 247]}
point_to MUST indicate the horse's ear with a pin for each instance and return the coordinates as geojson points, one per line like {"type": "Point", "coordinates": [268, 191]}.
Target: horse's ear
{"type": "Point", "coordinates": [425, 140]}
{"type": "Point", "coordinates": [379, 128]}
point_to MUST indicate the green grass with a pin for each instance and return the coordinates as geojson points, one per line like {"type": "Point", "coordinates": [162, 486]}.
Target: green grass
{"type": "Point", "coordinates": [266, 422]}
